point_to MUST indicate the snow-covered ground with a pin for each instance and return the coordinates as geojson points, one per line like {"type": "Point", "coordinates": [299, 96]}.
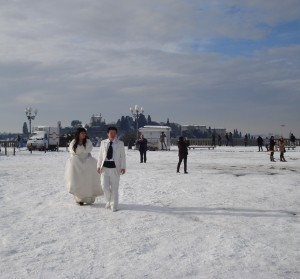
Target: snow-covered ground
{"type": "Point", "coordinates": [235, 215]}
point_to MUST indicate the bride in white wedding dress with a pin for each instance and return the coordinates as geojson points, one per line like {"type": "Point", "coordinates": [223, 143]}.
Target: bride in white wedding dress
{"type": "Point", "coordinates": [81, 177]}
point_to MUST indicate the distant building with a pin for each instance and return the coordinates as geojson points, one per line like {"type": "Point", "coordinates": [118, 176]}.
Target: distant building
{"type": "Point", "coordinates": [96, 121]}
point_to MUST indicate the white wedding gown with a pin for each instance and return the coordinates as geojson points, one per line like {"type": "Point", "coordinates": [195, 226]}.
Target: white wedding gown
{"type": "Point", "coordinates": [81, 177]}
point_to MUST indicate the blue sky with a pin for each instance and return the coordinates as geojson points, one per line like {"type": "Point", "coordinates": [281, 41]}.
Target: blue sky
{"type": "Point", "coordinates": [225, 64]}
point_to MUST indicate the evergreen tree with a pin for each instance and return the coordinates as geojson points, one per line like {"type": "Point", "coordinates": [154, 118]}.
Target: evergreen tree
{"type": "Point", "coordinates": [125, 123]}
{"type": "Point", "coordinates": [76, 123]}
{"type": "Point", "coordinates": [25, 129]}
{"type": "Point", "coordinates": [142, 120]}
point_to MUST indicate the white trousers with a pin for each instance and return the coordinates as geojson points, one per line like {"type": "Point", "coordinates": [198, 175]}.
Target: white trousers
{"type": "Point", "coordinates": [110, 179]}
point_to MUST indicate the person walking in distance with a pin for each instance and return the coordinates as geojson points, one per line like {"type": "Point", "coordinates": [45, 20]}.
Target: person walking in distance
{"type": "Point", "coordinates": [293, 140]}
{"type": "Point", "coordinates": [267, 143]}
{"type": "Point", "coordinates": [272, 148]}
{"type": "Point", "coordinates": [213, 140]}
{"type": "Point", "coordinates": [19, 141]}
{"type": "Point", "coordinates": [143, 148]}
{"type": "Point", "coordinates": [260, 143]}
{"type": "Point", "coordinates": [246, 140]}
{"type": "Point", "coordinates": [219, 140]}
{"type": "Point", "coordinates": [281, 145]}
{"type": "Point", "coordinates": [230, 137]}
{"type": "Point", "coordinates": [111, 164]}
{"type": "Point", "coordinates": [182, 153]}
{"type": "Point", "coordinates": [163, 141]}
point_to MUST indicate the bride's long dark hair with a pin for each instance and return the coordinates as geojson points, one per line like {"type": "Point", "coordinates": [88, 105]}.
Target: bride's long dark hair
{"type": "Point", "coordinates": [77, 133]}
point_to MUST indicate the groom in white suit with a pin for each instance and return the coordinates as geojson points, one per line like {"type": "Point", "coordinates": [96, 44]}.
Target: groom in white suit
{"type": "Point", "coordinates": [111, 164]}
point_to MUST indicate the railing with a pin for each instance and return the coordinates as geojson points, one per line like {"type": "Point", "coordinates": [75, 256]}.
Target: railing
{"type": "Point", "coordinates": [8, 144]}
{"type": "Point", "coordinates": [235, 142]}
{"type": "Point", "coordinates": [155, 144]}
{"type": "Point", "coordinates": [200, 142]}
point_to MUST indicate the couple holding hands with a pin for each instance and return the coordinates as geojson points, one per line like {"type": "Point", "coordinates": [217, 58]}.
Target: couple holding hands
{"type": "Point", "coordinates": [82, 170]}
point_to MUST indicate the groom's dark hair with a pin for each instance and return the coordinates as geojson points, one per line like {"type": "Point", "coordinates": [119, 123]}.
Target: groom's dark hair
{"type": "Point", "coordinates": [112, 128]}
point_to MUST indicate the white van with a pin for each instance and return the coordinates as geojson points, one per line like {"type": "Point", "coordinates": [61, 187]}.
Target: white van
{"type": "Point", "coordinates": [43, 138]}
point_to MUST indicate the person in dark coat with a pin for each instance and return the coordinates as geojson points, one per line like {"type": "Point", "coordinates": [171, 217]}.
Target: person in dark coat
{"type": "Point", "coordinates": [230, 140]}
{"type": "Point", "coordinates": [219, 140]}
{"type": "Point", "coordinates": [260, 143]}
{"type": "Point", "coordinates": [19, 141]}
{"type": "Point", "coordinates": [183, 145]}
{"type": "Point", "coordinates": [272, 148]}
{"type": "Point", "coordinates": [213, 140]}
{"type": "Point", "coordinates": [143, 148]}
{"type": "Point", "coordinates": [246, 140]}
{"type": "Point", "coordinates": [227, 139]}
{"type": "Point", "coordinates": [293, 140]}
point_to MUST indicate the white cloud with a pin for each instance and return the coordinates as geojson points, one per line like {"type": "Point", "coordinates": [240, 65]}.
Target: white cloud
{"type": "Point", "coordinates": [105, 57]}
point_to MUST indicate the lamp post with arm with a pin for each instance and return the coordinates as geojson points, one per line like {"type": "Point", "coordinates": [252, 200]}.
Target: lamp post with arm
{"type": "Point", "coordinates": [136, 113]}
{"type": "Point", "coordinates": [30, 116]}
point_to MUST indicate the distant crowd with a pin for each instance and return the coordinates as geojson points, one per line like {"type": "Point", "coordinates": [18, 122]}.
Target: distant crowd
{"type": "Point", "coordinates": [228, 140]}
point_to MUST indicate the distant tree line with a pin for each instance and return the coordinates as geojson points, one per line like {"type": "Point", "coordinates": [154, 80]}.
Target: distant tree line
{"type": "Point", "coordinates": [127, 130]}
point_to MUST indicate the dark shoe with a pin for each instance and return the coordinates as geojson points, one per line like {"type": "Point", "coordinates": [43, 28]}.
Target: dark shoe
{"type": "Point", "coordinates": [185, 172]}
{"type": "Point", "coordinates": [272, 159]}
{"type": "Point", "coordinates": [80, 203]}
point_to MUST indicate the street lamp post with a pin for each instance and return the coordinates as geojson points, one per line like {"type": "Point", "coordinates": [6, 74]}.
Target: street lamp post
{"type": "Point", "coordinates": [136, 113]}
{"type": "Point", "coordinates": [30, 116]}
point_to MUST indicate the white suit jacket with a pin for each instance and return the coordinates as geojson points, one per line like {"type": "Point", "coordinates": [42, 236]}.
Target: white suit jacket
{"type": "Point", "coordinates": [118, 154]}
